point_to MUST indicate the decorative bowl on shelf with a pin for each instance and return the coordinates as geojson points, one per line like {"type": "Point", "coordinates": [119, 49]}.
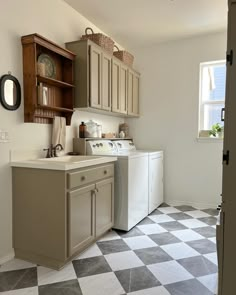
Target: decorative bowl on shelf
{"type": "Point", "coordinates": [50, 66]}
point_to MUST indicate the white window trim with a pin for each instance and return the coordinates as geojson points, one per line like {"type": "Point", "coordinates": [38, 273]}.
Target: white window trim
{"type": "Point", "coordinates": [209, 139]}
{"type": "Point", "coordinates": [201, 103]}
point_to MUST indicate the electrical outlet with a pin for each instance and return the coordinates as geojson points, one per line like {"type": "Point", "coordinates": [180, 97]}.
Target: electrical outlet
{"type": "Point", "coordinates": [4, 136]}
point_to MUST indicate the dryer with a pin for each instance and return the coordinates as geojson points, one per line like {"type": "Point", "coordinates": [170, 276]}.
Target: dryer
{"type": "Point", "coordinates": [155, 172]}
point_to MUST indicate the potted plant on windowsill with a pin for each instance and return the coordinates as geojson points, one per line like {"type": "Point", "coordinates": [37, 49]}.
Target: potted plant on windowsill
{"type": "Point", "coordinates": [216, 131]}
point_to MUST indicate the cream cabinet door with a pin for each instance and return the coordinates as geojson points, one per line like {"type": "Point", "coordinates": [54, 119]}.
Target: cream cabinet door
{"type": "Point", "coordinates": [81, 218]}
{"type": "Point", "coordinates": [133, 93]}
{"type": "Point", "coordinates": [95, 77]}
{"type": "Point", "coordinates": [115, 86]}
{"type": "Point", "coordinates": [123, 88]}
{"type": "Point", "coordinates": [119, 87]}
{"type": "Point", "coordinates": [106, 82]}
{"type": "Point", "coordinates": [104, 206]}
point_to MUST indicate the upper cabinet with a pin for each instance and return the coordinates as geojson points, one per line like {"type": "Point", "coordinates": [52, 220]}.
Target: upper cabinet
{"type": "Point", "coordinates": [48, 75]}
{"type": "Point", "coordinates": [95, 72]}
{"type": "Point", "coordinates": [119, 86]}
{"type": "Point", "coordinates": [102, 81]}
{"type": "Point", "coordinates": [106, 81]}
{"type": "Point", "coordinates": [133, 92]}
{"type": "Point", "coordinates": [92, 76]}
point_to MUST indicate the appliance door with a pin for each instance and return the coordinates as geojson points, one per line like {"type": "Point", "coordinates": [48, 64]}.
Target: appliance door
{"type": "Point", "coordinates": [137, 190]}
{"type": "Point", "coordinates": [155, 181]}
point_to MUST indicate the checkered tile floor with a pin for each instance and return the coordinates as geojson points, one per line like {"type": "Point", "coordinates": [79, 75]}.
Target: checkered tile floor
{"type": "Point", "coordinates": [172, 251]}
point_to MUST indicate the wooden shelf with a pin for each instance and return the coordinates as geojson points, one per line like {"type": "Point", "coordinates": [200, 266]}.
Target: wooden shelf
{"type": "Point", "coordinates": [44, 116]}
{"type": "Point", "coordinates": [53, 108]}
{"type": "Point", "coordinates": [58, 94]}
{"type": "Point", "coordinates": [54, 82]}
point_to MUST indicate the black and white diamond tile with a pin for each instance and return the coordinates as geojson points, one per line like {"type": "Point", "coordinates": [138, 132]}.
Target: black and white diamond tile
{"type": "Point", "coordinates": [188, 287]}
{"type": "Point", "coordinates": [164, 239]}
{"type": "Point", "coordinates": [135, 279]}
{"type": "Point", "coordinates": [123, 260]}
{"type": "Point", "coordinates": [170, 252]}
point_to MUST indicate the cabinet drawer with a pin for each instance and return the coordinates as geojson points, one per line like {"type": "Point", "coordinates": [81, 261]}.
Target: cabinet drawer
{"type": "Point", "coordinates": [79, 178]}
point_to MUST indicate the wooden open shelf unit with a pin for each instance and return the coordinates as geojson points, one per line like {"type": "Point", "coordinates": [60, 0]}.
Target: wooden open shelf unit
{"type": "Point", "coordinates": [60, 89]}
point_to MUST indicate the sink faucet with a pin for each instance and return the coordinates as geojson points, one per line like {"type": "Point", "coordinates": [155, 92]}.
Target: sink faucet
{"type": "Point", "coordinates": [55, 148]}
{"type": "Point", "coordinates": [52, 150]}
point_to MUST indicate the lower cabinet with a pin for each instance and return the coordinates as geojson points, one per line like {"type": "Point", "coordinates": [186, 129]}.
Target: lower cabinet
{"type": "Point", "coordinates": [104, 206]}
{"type": "Point", "coordinates": [81, 214]}
{"type": "Point", "coordinates": [57, 214]}
{"type": "Point", "coordinates": [90, 212]}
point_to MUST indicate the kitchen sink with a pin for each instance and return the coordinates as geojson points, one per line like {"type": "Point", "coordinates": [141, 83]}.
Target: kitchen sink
{"type": "Point", "coordinates": [69, 159]}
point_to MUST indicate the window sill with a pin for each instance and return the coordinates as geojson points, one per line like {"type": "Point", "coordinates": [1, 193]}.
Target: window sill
{"type": "Point", "coordinates": [209, 139]}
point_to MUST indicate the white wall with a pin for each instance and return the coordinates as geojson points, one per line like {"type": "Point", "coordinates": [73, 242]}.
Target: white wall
{"type": "Point", "coordinates": [60, 23]}
{"type": "Point", "coordinates": [169, 117]}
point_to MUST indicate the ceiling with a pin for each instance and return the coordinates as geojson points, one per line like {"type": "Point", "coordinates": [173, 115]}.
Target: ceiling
{"type": "Point", "coordinates": [135, 23]}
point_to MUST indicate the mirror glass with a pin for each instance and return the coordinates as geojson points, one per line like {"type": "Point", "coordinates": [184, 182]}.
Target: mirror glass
{"type": "Point", "coordinates": [10, 92]}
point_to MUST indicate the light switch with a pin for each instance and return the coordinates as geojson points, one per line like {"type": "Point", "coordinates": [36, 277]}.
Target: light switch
{"type": "Point", "coordinates": [4, 136]}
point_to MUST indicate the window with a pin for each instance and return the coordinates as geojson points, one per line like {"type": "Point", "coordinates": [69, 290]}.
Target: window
{"type": "Point", "coordinates": [212, 95]}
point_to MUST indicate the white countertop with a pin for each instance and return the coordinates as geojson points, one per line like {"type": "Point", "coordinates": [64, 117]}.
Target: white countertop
{"type": "Point", "coordinates": [64, 162]}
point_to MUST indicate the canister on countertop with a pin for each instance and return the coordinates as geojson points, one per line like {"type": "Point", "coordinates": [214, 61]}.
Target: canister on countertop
{"type": "Point", "coordinates": [125, 128]}
{"type": "Point", "coordinates": [91, 130]}
{"type": "Point", "coordinates": [122, 134]}
{"type": "Point", "coordinates": [99, 131]}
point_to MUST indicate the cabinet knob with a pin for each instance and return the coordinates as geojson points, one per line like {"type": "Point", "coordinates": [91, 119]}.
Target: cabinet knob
{"type": "Point", "coordinates": [105, 172]}
{"type": "Point", "coordinates": [83, 178]}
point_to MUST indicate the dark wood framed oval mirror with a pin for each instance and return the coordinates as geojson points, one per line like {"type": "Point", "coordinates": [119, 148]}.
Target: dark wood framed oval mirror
{"type": "Point", "coordinates": [10, 92]}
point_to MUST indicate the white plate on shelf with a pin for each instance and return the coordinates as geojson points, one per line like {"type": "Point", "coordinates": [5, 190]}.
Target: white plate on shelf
{"type": "Point", "coordinates": [50, 66]}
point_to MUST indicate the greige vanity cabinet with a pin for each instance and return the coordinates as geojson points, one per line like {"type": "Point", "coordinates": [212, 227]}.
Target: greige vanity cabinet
{"type": "Point", "coordinates": [133, 92]}
{"type": "Point", "coordinates": [58, 213]}
{"type": "Point", "coordinates": [92, 75]}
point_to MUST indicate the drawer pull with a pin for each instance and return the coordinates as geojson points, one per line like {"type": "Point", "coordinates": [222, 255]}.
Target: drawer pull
{"type": "Point", "coordinates": [105, 172]}
{"type": "Point", "coordinates": [83, 178]}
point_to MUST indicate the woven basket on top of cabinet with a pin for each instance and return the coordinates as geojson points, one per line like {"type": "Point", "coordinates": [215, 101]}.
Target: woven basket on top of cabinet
{"type": "Point", "coordinates": [124, 56]}
{"type": "Point", "coordinates": [104, 41]}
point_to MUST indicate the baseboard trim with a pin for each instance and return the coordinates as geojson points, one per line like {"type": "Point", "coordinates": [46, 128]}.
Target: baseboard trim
{"type": "Point", "coordinates": [197, 205]}
{"type": "Point", "coordinates": [7, 257]}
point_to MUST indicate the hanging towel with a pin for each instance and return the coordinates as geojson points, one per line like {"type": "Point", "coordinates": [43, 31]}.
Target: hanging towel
{"type": "Point", "coordinates": [59, 131]}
